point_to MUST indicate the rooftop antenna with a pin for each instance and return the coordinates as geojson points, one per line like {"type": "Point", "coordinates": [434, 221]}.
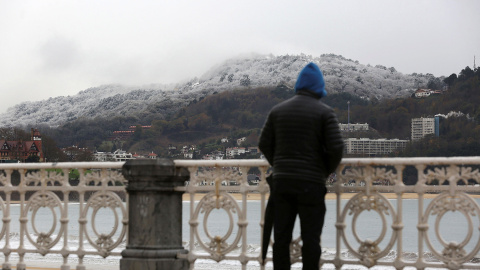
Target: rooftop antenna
{"type": "Point", "coordinates": [474, 67]}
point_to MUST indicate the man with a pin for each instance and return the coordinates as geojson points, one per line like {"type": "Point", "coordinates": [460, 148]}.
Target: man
{"type": "Point", "coordinates": [302, 141]}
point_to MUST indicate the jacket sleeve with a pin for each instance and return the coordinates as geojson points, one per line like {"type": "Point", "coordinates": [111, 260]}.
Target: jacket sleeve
{"type": "Point", "coordinates": [333, 143]}
{"type": "Point", "coordinates": [266, 143]}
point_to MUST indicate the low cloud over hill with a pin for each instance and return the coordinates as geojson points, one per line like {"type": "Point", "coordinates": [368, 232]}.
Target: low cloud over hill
{"type": "Point", "coordinates": [341, 75]}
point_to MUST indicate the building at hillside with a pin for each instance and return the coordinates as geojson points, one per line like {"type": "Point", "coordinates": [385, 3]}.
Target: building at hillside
{"type": "Point", "coordinates": [241, 140]}
{"type": "Point", "coordinates": [215, 155]}
{"type": "Point", "coordinates": [373, 147]}
{"type": "Point", "coordinates": [421, 93]}
{"type": "Point", "coordinates": [118, 155]}
{"type": "Point", "coordinates": [75, 153]}
{"type": "Point", "coordinates": [353, 127]}
{"type": "Point", "coordinates": [152, 155]}
{"type": "Point", "coordinates": [234, 151]}
{"type": "Point", "coordinates": [22, 151]}
{"type": "Point", "coordinates": [425, 126]}
{"type": "Point", "coordinates": [231, 152]}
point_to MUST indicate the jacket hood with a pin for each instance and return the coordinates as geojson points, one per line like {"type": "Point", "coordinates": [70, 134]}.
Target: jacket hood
{"type": "Point", "coordinates": [311, 78]}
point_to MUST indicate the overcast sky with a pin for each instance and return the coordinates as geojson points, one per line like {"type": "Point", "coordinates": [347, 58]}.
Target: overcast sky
{"type": "Point", "coordinates": [54, 48]}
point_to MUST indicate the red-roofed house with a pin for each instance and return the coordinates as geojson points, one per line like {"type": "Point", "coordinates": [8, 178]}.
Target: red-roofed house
{"type": "Point", "coordinates": [22, 150]}
{"type": "Point", "coordinates": [152, 155]}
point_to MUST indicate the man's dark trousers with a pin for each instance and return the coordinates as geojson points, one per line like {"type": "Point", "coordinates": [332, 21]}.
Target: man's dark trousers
{"type": "Point", "coordinates": [307, 199]}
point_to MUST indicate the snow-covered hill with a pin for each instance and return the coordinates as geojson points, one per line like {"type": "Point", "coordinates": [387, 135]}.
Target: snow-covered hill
{"type": "Point", "coordinates": [341, 75]}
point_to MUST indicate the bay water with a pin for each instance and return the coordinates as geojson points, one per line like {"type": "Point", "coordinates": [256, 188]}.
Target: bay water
{"type": "Point", "coordinates": [452, 227]}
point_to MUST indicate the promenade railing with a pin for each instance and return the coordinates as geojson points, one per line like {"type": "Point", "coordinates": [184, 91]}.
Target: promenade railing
{"type": "Point", "coordinates": [360, 186]}
{"type": "Point", "coordinates": [445, 190]}
{"type": "Point", "coordinates": [41, 202]}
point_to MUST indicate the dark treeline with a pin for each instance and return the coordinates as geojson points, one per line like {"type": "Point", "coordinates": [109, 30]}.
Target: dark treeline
{"type": "Point", "coordinates": [459, 136]}
{"type": "Point", "coordinates": [392, 118]}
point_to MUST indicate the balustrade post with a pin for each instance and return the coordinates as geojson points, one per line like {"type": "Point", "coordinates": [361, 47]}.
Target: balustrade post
{"type": "Point", "coordinates": [155, 215]}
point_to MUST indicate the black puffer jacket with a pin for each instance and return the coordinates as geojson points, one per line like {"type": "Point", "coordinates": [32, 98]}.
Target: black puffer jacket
{"type": "Point", "coordinates": [301, 139]}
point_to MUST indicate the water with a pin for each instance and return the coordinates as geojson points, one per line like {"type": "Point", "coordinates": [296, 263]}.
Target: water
{"type": "Point", "coordinates": [369, 224]}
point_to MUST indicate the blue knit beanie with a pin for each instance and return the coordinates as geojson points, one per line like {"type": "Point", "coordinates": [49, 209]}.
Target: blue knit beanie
{"type": "Point", "coordinates": [311, 78]}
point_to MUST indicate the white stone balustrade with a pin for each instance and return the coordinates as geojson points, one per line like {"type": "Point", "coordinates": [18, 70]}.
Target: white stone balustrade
{"type": "Point", "coordinates": [453, 179]}
{"type": "Point", "coordinates": [45, 186]}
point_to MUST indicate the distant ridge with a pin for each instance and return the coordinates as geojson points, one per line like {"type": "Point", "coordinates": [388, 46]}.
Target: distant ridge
{"type": "Point", "coordinates": [341, 75]}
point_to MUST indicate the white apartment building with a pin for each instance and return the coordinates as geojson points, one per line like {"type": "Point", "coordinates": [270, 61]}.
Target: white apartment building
{"type": "Point", "coordinates": [121, 155]}
{"type": "Point", "coordinates": [102, 156]}
{"type": "Point", "coordinates": [118, 155]}
{"type": "Point", "coordinates": [353, 127]}
{"type": "Point", "coordinates": [234, 151]}
{"type": "Point", "coordinates": [424, 126]}
{"type": "Point", "coordinates": [368, 146]}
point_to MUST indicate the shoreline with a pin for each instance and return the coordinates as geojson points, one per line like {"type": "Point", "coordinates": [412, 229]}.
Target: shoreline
{"type": "Point", "coordinates": [329, 196]}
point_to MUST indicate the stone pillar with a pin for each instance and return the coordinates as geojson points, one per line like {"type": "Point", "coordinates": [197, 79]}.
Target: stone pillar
{"type": "Point", "coordinates": [155, 215]}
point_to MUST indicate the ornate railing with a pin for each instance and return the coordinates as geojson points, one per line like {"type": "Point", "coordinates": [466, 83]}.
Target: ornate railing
{"type": "Point", "coordinates": [361, 185]}
{"type": "Point", "coordinates": [371, 194]}
{"type": "Point", "coordinates": [49, 199]}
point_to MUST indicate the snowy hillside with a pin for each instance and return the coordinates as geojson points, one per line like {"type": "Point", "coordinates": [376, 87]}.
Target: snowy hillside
{"type": "Point", "coordinates": [104, 100]}
{"type": "Point", "coordinates": [341, 75]}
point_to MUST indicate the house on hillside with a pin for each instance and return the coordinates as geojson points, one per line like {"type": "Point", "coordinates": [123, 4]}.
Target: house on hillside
{"type": "Point", "coordinates": [188, 155]}
{"type": "Point", "coordinates": [188, 149]}
{"type": "Point", "coordinates": [420, 93]}
{"type": "Point", "coordinates": [241, 140]}
{"type": "Point", "coordinates": [121, 155]}
{"type": "Point", "coordinates": [75, 153]}
{"type": "Point", "coordinates": [137, 156]}
{"type": "Point", "coordinates": [215, 155]}
{"type": "Point", "coordinates": [118, 155]}
{"type": "Point", "coordinates": [234, 151]}
{"type": "Point", "coordinates": [22, 150]}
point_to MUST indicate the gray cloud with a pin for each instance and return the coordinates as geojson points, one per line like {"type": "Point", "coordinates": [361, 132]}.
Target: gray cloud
{"type": "Point", "coordinates": [53, 48]}
{"type": "Point", "coordinates": [59, 53]}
